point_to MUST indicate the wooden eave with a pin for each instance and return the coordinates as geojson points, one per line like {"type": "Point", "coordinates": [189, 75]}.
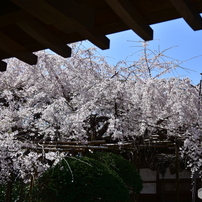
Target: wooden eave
{"type": "Point", "coordinates": [29, 26]}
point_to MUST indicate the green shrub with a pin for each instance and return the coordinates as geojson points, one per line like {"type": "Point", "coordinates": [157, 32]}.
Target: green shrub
{"type": "Point", "coordinates": [125, 169]}
{"type": "Point", "coordinates": [88, 180]}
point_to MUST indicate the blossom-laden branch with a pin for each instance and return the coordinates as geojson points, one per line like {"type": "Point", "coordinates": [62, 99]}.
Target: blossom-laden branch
{"type": "Point", "coordinates": [84, 98]}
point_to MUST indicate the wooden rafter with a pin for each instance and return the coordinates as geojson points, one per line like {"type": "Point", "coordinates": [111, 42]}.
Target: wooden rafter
{"type": "Point", "coordinates": [52, 13]}
{"type": "Point", "coordinates": [189, 13]}
{"type": "Point", "coordinates": [100, 41]}
{"type": "Point", "coordinates": [41, 10]}
{"type": "Point", "coordinates": [131, 18]}
{"type": "Point", "coordinates": [69, 18]}
{"type": "Point", "coordinates": [13, 48]}
{"type": "Point", "coordinates": [81, 13]}
{"type": "Point", "coordinates": [3, 66]}
{"type": "Point", "coordinates": [43, 36]}
{"type": "Point", "coordinates": [12, 18]}
{"type": "Point", "coordinates": [67, 21]}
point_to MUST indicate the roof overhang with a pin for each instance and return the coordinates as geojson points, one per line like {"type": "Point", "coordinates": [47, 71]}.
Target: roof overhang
{"type": "Point", "coordinates": [29, 26]}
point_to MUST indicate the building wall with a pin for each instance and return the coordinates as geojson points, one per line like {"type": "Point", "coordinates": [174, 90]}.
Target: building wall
{"type": "Point", "coordinates": [149, 181]}
{"type": "Point", "coordinates": [155, 188]}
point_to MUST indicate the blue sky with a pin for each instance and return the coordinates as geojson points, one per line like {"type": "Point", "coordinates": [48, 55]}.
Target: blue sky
{"type": "Point", "coordinates": [186, 44]}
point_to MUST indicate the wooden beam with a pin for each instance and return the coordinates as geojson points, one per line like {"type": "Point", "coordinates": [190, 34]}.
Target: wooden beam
{"type": "Point", "coordinates": [41, 10]}
{"type": "Point", "coordinates": [189, 13]}
{"type": "Point", "coordinates": [131, 18]}
{"type": "Point", "coordinates": [81, 13]}
{"type": "Point", "coordinates": [13, 17]}
{"type": "Point", "coordinates": [100, 41]}
{"type": "Point", "coordinates": [3, 66]}
{"type": "Point", "coordinates": [67, 16]}
{"type": "Point", "coordinates": [43, 36]}
{"type": "Point", "coordinates": [52, 12]}
{"type": "Point", "coordinates": [14, 49]}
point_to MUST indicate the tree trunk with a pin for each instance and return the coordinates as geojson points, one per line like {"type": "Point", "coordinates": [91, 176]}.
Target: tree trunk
{"type": "Point", "coordinates": [9, 191]}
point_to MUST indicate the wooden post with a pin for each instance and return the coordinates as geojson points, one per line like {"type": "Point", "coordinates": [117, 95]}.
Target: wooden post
{"type": "Point", "coordinates": [177, 172]}
{"type": "Point", "coordinates": [136, 162]}
{"type": "Point", "coordinates": [194, 186]}
{"type": "Point", "coordinates": [31, 188]}
{"type": "Point", "coordinates": [158, 194]}
{"type": "Point", "coordinates": [9, 190]}
{"type": "Point", "coordinates": [21, 191]}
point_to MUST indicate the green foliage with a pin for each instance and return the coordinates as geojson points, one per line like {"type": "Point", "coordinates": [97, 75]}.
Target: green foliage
{"type": "Point", "coordinates": [2, 192]}
{"type": "Point", "coordinates": [97, 177]}
{"type": "Point", "coordinates": [81, 179]}
{"type": "Point", "coordinates": [125, 169]}
{"type": "Point", "coordinates": [17, 193]}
